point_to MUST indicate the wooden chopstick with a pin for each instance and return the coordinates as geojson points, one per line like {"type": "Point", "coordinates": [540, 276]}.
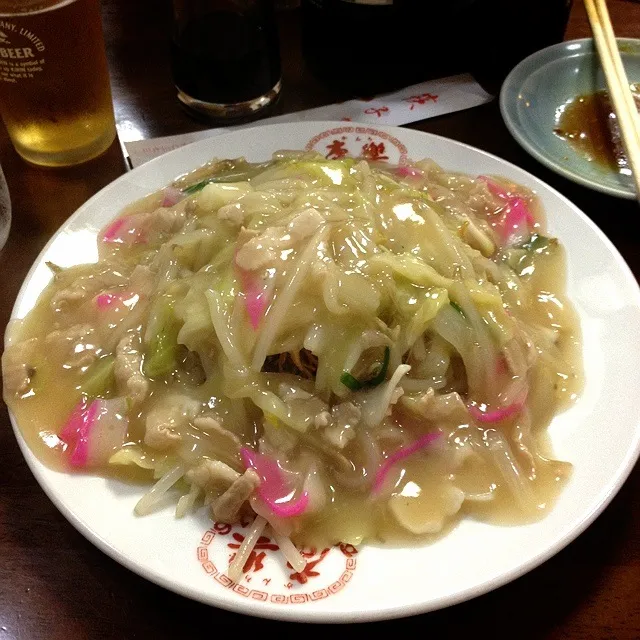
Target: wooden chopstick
{"type": "Point", "coordinates": [605, 21]}
{"type": "Point", "coordinates": [618, 84]}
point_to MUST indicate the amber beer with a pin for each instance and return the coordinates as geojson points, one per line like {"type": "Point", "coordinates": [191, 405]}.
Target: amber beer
{"type": "Point", "coordinates": [55, 96]}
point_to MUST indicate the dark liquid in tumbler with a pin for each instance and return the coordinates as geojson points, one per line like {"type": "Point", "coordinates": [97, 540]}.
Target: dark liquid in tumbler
{"type": "Point", "coordinates": [225, 58]}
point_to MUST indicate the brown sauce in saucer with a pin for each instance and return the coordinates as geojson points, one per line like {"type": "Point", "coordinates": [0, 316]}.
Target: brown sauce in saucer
{"type": "Point", "coordinates": [589, 124]}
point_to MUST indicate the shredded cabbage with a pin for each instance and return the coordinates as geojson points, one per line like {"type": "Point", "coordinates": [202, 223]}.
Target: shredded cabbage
{"type": "Point", "coordinates": [329, 317]}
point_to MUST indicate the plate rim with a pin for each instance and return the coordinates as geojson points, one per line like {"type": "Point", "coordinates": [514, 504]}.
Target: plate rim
{"type": "Point", "coordinates": [511, 120]}
{"type": "Point", "coordinates": [290, 614]}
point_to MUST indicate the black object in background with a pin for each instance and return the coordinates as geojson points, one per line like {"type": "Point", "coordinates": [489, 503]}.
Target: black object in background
{"type": "Point", "coordinates": [365, 47]}
{"type": "Point", "coordinates": [501, 33]}
{"type": "Point", "coordinates": [225, 56]}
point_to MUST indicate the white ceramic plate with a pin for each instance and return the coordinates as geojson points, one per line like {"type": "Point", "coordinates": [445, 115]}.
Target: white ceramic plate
{"type": "Point", "coordinates": [600, 435]}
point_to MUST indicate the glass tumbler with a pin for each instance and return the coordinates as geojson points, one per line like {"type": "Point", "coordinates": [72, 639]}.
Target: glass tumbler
{"type": "Point", "coordinates": [55, 95]}
{"type": "Point", "coordinates": [225, 56]}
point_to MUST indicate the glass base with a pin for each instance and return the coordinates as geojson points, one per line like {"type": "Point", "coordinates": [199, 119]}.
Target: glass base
{"type": "Point", "coordinates": [233, 111]}
{"type": "Point", "coordinates": [69, 157]}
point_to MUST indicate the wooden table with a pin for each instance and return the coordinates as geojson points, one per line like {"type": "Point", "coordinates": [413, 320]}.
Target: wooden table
{"type": "Point", "coordinates": [54, 584]}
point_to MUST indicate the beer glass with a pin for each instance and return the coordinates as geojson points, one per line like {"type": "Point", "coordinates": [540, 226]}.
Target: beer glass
{"type": "Point", "coordinates": [55, 95]}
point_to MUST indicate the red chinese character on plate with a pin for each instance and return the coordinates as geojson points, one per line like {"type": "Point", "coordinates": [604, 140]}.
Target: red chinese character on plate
{"type": "Point", "coordinates": [373, 151]}
{"type": "Point", "coordinates": [336, 150]}
{"type": "Point", "coordinates": [378, 112]}
{"type": "Point", "coordinates": [309, 571]}
{"type": "Point", "coordinates": [423, 98]}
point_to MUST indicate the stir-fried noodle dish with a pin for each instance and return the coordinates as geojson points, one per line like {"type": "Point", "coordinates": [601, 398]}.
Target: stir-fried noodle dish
{"type": "Point", "coordinates": [340, 351]}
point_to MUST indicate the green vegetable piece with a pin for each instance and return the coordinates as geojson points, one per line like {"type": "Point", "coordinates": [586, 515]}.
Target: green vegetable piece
{"type": "Point", "coordinates": [350, 381]}
{"type": "Point", "coordinates": [354, 384]}
{"type": "Point", "coordinates": [334, 171]}
{"type": "Point", "coordinates": [537, 243]}
{"type": "Point", "coordinates": [458, 308]}
{"type": "Point", "coordinates": [99, 378]}
{"type": "Point", "coordinates": [194, 188]}
{"type": "Point", "coordinates": [161, 355]}
{"type": "Point", "coordinates": [199, 186]}
{"type": "Point", "coordinates": [239, 174]}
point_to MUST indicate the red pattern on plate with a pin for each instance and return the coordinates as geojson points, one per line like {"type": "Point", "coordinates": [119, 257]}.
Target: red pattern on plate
{"type": "Point", "coordinates": [327, 572]}
{"type": "Point", "coordinates": [359, 142]}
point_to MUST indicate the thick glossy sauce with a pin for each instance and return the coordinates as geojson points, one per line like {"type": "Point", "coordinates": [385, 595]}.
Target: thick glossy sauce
{"type": "Point", "coordinates": [372, 521]}
{"type": "Point", "coordinates": [350, 515]}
